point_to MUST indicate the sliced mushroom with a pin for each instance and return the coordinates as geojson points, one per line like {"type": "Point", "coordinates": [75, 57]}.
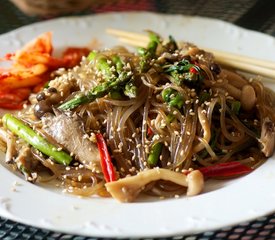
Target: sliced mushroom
{"type": "Point", "coordinates": [246, 94]}
{"type": "Point", "coordinates": [234, 78]}
{"type": "Point", "coordinates": [127, 189]}
{"type": "Point", "coordinates": [248, 97]}
{"type": "Point", "coordinates": [9, 139]}
{"type": "Point", "coordinates": [25, 164]}
{"type": "Point", "coordinates": [267, 139]}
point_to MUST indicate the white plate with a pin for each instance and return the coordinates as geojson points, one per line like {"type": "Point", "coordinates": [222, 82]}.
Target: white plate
{"type": "Point", "coordinates": [222, 204]}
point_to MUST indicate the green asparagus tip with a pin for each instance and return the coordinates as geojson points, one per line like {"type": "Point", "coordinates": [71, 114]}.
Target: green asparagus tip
{"type": "Point", "coordinates": [155, 154]}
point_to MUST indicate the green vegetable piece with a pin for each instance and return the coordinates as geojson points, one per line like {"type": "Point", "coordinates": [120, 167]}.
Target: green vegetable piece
{"type": "Point", "coordinates": [235, 107]}
{"type": "Point", "coordinates": [177, 101]}
{"type": "Point", "coordinates": [30, 136]}
{"type": "Point", "coordinates": [92, 55]}
{"type": "Point", "coordinates": [116, 94]}
{"type": "Point", "coordinates": [166, 93]}
{"type": "Point", "coordinates": [204, 96]}
{"type": "Point", "coordinates": [148, 53]}
{"type": "Point", "coordinates": [185, 72]}
{"type": "Point", "coordinates": [155, 154]}
{"type": "Point", "coordinates": [153, 43]}
{"type": "Point", "coordinates": [173, 98]}
{"type": "Point", "coordinates": [181, 67]}
{"type": "Point", "coordinates": [170, 118]}
{"type": "Point", "coordinates": [118, 63]}
{"type": "Point", "coordinates": [101, 64]}
{"type": "Point", "coordinates": [141, 51]}
{"type": "Point", "coordinates": [130, 90]}
{"type": "Point", "coordinates": [172, 44]}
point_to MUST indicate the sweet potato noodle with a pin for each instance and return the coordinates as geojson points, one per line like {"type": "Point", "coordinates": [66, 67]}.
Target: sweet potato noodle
{"type": "Point", "coordinates": [160, 121]}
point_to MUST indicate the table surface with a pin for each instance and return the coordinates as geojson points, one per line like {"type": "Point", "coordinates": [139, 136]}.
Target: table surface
{"type": "Point", "coordinates": [257, 15]}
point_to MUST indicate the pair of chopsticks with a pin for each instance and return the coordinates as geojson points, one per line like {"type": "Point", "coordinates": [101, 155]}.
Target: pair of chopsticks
{"type": "Point", "coordinates": [247, 64]}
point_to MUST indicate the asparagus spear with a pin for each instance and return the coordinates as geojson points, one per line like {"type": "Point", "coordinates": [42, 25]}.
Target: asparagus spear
{"type": "Point", "coordinates": [148, 53]}
{"type": "Point", "coordinates": [30, 136]}
{"type": "Point", "coordinates": [235, 107]}
{"type": "Point", "coordinates": [113, 79]}
{"type": "Point", "coordinates": [155, 154]}
{"type": "Point", "coordinates": [172, 45]}
{"type": "Point", "coordinates": [130, 90]}
{"type": "Point", "coordinates": [173, 98]}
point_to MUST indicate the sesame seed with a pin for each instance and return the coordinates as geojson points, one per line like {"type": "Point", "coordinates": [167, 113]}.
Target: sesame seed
{"type": "Point", "coordinates": [117, 150]}
{"type": "Point", "coordinates": [85, 136]}
{"type": "Point", "coordinates": [132, 169]}
{"type": "Point", "coordinates": [79, 178]}
{"type": "Point", "coordinates": [120, 145]}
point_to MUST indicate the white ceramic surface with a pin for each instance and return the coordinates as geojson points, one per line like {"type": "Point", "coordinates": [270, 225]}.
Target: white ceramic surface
{"type": "Point", "coordinates": [222, 204]}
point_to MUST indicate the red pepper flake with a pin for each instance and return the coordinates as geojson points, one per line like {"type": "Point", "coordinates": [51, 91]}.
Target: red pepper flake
{"type": "Point", "coordinates": [229, 169]}
{"type": "Point", "coordinates": [149, 132]}
{"type": "Point", "coordinates": [106, 162]}
{"type": "Point", "coordinates": [193, 70]}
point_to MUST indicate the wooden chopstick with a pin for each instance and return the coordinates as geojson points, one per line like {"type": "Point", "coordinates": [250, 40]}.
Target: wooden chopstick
{"type": "Point", "coordinates": [243, 63]}
{"type": "Point", "coordinates": [241, 58]}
